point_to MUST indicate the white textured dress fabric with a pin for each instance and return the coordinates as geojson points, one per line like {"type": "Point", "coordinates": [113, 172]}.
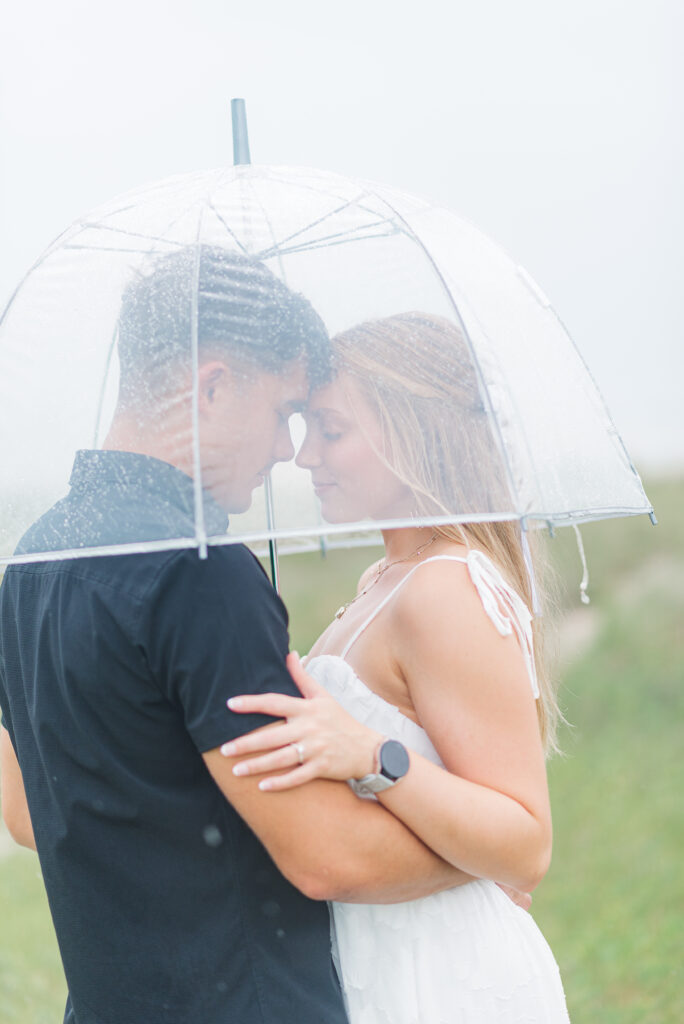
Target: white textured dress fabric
{"type": "Point", "coordinates": [467, 955]}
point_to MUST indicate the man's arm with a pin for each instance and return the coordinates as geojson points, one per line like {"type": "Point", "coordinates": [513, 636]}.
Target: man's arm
{"type": "Point", "coordinates": [216, 629]}
{"type": "Point", "coordinates": [333, 846]}
{"type": "Point", "coordinates": [15, 810]}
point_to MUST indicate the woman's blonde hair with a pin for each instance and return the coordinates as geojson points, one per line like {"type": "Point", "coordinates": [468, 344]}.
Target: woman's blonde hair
{"type": "Point", "coordinates": [416, 371]}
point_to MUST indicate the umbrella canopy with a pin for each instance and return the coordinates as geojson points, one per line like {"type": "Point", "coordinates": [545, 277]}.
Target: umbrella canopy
{"type": "Point", "coordinates": [107, 340]}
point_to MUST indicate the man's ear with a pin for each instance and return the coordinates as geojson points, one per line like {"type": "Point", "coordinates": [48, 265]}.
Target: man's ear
{"type": "Point", "coordinates": [211, 376]}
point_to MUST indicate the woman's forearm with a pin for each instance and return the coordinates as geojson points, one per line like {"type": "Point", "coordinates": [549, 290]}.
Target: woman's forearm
{"type": "Point", "coordinates": [385, 864]}
{"type": "Point", "coordinates": [331, 844]}
{"type": "Point", "coordinates": [479, 830]}
{"type": "Point", "coordinates": [482, 831]}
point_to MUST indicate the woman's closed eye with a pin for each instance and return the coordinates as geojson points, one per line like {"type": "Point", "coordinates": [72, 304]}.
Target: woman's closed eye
{"type": "Point", "coordinates": [330, 427]}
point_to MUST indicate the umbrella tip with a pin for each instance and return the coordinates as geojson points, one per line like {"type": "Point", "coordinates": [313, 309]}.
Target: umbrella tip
{"type": "Point", "coordinates": [240, 136]}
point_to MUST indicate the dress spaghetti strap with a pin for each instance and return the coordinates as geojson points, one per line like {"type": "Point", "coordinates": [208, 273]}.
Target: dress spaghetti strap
{"type": "Point", "coordinates": [505, 608]}
{"type": "Point", "coordinates": [355, 636]}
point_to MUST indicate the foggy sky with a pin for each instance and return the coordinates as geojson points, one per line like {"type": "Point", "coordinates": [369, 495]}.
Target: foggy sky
{"type": "Point", "coordinates": [555, 127]}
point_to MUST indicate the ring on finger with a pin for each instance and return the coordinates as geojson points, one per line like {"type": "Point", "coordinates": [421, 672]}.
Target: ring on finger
{"type": "Point", "coordinates": [299, 749]}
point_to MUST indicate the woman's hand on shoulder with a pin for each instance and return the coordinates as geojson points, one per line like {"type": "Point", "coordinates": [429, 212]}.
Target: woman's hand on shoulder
{"type": "Point", "coordinates": [318, 739]}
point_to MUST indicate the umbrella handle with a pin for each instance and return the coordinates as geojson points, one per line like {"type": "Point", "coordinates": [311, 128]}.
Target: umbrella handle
{"type": "Point", "coordinates": [240, 136]}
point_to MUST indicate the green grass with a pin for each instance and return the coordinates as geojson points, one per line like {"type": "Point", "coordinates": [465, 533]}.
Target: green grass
{"type": "Point", "coordinates": [611, 906]}
{"type": "Point", "coordinates": [32, 987]}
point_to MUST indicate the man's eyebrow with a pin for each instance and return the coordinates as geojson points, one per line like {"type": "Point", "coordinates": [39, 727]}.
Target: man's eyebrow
{"type": "Point", "coordinates": [323, 411]}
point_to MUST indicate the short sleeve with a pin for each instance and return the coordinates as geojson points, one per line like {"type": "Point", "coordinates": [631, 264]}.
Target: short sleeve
{"type": "Point", "coordinates": [215, 628]}
{"type": "Point", "coordinates": [5, 717]}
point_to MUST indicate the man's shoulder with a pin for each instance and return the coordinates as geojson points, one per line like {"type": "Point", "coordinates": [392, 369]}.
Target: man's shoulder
{"type": "Point", "coordinates": [223, 563]}
{"type": "Point", "coordinates": [175, 579]}
{"type": "Point", "coordinates": [142, 574]}
{"type": "Point", "coordinates": [45, 533]}
{"type": "Point", "coordinates": [231, 570]}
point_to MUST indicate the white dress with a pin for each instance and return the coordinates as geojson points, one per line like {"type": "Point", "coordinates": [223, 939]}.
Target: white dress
{"type": "Point", "coordinates": [467, 955]}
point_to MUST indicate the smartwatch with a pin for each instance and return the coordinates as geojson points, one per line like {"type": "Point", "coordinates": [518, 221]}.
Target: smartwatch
{"type": "Point", "coordinates": [392, 764]}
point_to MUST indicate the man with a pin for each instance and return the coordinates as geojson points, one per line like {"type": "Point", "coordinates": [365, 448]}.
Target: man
{"type": "Point", "coordinates": [180, 893]}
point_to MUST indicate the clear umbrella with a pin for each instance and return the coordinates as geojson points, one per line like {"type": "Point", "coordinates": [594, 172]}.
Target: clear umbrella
{"type": "Point", "coordinates": [120, 315]}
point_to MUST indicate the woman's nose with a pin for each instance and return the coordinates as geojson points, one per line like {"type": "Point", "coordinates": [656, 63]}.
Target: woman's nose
{"type": "Point", "coordinates": [308, 456]}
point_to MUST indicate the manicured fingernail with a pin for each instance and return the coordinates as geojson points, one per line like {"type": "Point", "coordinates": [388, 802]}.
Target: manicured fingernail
{"type": "Point", "coordinates": [228, 749]}
{"type": "Point", "coordinates": [239, 769]}
{"type": "Point", "coordinates": [235, 703]}
{"type": "Point", "coordinates": [265, 784]}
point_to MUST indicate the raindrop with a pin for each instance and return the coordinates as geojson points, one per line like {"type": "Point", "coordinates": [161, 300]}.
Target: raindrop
{"type": "Point", "coordinates": [221, 986]}
{"type": "Point", "coordinates": [270, 908]}
{"type": "Point", "coordinates": [211, 835]}
{"type": "Point", "coordinates": [280, 934]}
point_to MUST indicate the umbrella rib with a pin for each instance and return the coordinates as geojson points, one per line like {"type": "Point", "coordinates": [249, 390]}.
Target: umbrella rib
{"type": "Point", "coordinates": [323, 244]}
{"type": "Point", "coordinates": [113, 248]}
{"type": "Point", "coordinates": [504, 455]}
{"type": "Point", "coordinates": [230, 231]}
{"type": "Point", "coordinates": [268, 479]}
{"type": "Point", "coordinates": [200, 527]}
{"type": "Point", "coordinates": [615, 432]}
{"type": "Point", "coordinates": [321, 220]}
{"type": "Point", "coordinates": [369, 528]}
{"type": "Point", "coordinates": [131, 234]}
{"type": "Point", "coordinates": [34, 266]}
{"type": "Point", "coordinates": [345, 203]}
{"type": "Point", "coordinates": [526, 442]}
{"type": "Point", "coordinates": [103, 385]}
{"type": "Point", "coordinates": [354, 234]}
{"type": "Point", "coordinates": [135, 234]}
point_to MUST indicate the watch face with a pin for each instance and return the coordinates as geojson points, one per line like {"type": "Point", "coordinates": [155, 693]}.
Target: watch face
{"type": "Point", "coordinates": [394, 759]}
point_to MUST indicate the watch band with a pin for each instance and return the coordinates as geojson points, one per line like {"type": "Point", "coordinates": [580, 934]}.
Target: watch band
{"type": "Point", "coordinates": [392, 764]}
{"type": "Point", "coordinates": [370, 784]}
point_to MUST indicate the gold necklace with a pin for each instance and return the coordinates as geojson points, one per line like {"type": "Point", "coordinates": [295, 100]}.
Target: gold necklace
{"type": "Point", "coordinates": [380, 572]}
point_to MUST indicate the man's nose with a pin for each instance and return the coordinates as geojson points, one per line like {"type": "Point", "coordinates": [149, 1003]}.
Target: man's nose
{"type": "Point", "coordinates": [284, 449]}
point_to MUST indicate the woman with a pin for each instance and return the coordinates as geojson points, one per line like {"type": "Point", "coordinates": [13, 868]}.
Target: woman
{"type": "Point", "coordinates": [435, 651]}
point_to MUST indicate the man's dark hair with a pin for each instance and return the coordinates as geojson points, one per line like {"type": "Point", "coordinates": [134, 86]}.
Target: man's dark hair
{"type": "Point", "coordinates": [243, 311]}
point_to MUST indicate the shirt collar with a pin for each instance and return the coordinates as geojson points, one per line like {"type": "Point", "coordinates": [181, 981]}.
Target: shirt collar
{"type": "Point", "coordinates": [153, 478]}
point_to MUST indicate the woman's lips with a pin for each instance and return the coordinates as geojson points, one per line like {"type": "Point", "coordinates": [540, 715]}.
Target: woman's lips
{"type": "Point", "coordinates": [322, 487]}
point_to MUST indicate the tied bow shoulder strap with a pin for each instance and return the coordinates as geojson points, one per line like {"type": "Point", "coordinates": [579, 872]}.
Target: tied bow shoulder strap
{"type": "Point", "coordinates": [505, 608]}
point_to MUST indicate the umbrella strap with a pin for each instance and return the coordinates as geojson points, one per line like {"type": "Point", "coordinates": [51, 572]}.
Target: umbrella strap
{"type": "Point", "coordinates": [585, 571]}
{"type": "Point", "coordinates": [527, 555]}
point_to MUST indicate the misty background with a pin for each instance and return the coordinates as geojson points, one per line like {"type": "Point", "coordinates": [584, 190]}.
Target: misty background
{"type": "Point", "coordinates": [556, 128]}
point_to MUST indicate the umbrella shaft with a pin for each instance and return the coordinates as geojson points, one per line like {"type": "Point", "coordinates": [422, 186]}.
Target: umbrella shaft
{"type": "Point", "coordinates": [272, 543]}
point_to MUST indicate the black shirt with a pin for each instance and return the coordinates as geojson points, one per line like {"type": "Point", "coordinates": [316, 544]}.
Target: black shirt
{"type": "Point", "coordinates": [114, 675]}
